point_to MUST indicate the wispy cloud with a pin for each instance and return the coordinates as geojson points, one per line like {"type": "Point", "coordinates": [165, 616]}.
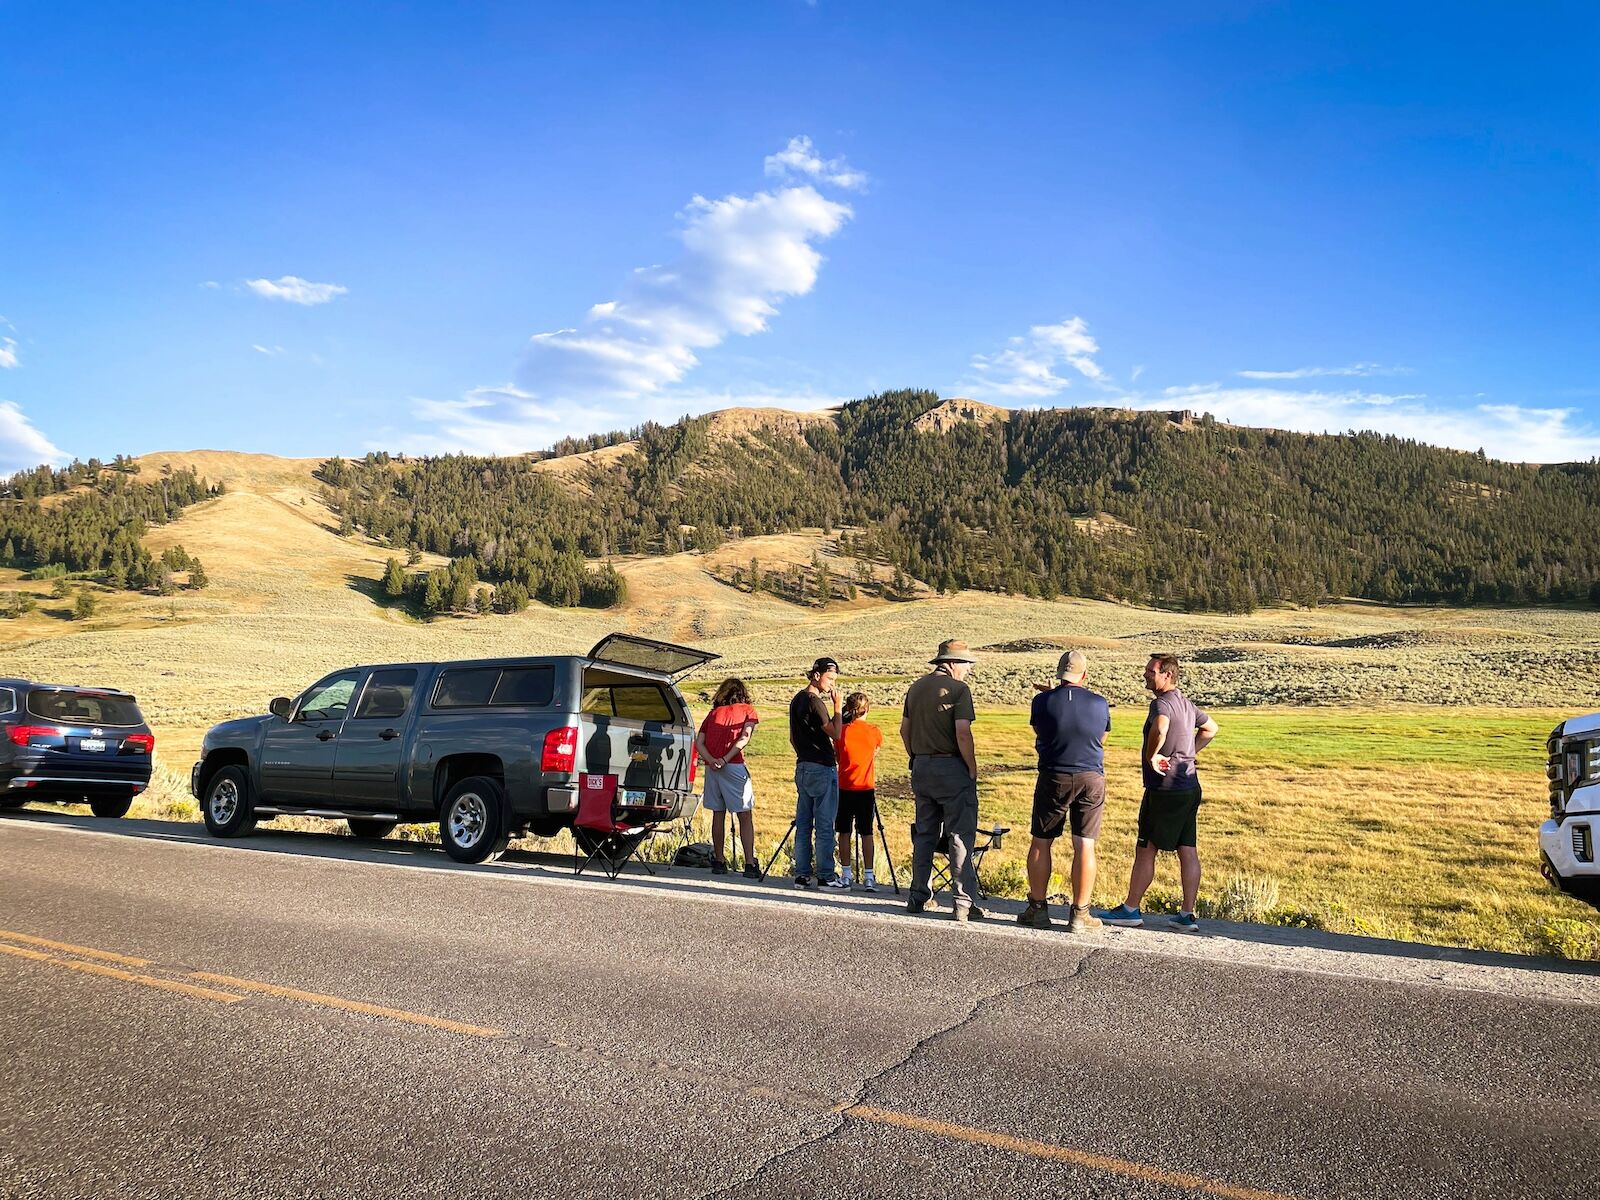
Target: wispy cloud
{"type": "Point", "coordinates": [1355, 369]}
{"type": "Point", "coordinates": [741, 257]}
{"type": "Point", "coordinates": [295, 290]}
{"type": "Point", "coordinates": [269, 351]}
{"type": "Point", "coordinates": [21, 445]}
{"type": "Point", "coordinates": [799, 157]}
{"type": "Point", "coordinates": [1028, 367]}
{"type": "Point", "coordinates": [1511, 432]}
{"type": "Point", "coordinates": [8, 352]}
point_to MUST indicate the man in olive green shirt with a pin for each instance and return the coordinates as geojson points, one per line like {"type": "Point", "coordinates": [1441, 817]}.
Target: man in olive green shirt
{"type": "Point", "coordinates": [936, 729]}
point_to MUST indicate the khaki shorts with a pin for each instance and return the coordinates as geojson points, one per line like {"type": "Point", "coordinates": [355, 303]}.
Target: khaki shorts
{"type": "Point", "coordinates": [1062, 801]}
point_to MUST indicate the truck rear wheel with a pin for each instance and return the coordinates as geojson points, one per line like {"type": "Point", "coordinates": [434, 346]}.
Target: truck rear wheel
{"type": "Point", "coordinates": [111, 806]}
{"type": "Point", "coordinates": [369, 827]}
{"type": "Point", "coordinates": [12, 801]}
{"type": "Point", "coordinates": [229, 809]}
{"type": "Point", "coordinates": [473, 821]}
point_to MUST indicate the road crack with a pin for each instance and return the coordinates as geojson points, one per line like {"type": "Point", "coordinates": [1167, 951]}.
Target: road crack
{"type": "Point", "coordinates": [920, 1047]}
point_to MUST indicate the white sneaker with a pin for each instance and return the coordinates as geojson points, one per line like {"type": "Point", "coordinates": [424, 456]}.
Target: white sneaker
{"type": "Point", "coordinates": [868, 883]}
{"type": "Point", "coordinates": [846, 876]}
{"type": "Point", "coordinates": [837, 882]}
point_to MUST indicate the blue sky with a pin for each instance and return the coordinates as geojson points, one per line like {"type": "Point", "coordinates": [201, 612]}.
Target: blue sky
{"type": "Point", "coordinates": [318, 229]}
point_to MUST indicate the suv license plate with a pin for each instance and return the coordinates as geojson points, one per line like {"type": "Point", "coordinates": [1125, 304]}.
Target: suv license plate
{"type": "Point", "coordinates": [92, 745]}
{"type": "Point", "coordinates": [633, 797]}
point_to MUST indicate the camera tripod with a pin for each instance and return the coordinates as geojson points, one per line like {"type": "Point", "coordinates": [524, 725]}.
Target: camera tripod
{"type": "Point", "coordinates": [883, 841]}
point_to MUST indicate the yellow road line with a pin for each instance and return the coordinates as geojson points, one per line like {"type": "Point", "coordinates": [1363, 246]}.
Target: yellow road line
{"type": "Point", "coordinates": [360, 1006]}
{"type": "Point", "coordinates": [94, 968]}
{"type": "Point", "coordinates": [1080, 1158]}
{"type": "Point", "coordinates": [69, 948]}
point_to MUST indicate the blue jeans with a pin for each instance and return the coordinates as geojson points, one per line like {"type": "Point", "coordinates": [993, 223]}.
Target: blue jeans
{"type": "Point", "coordinates": [816, 807]}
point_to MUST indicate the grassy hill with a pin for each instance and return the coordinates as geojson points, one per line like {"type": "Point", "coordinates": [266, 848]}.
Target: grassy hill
{"type": "Point", "coordinates": [1382, 763]}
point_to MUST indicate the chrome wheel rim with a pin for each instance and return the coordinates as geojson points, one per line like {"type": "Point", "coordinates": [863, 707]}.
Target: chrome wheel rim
{"type": "Point", "coordinates": [469, 815]}
{"type": "Point", "coordinates": [224, 801]}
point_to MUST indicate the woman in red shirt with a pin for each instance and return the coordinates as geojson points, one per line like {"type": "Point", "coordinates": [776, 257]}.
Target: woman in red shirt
{"type": "Point", "coordinates": [724, 733]}
{"type": "Point", "coordinates": [858, 798]}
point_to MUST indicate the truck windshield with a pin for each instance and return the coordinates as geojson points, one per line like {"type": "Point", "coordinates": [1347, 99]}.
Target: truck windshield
{"type": "Point", "coordinates": [72, 707]}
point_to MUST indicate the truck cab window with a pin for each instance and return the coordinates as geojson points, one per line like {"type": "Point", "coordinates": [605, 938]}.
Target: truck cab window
{"type": "Point", "coordinates": [328, 700]}
{"type": "Point", "coordinates": [386, 696]}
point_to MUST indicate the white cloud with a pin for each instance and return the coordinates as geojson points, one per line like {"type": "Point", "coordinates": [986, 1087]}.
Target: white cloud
{"type": "Point", "coordinates": [1510, 432]}
{"type": "Point", "coordinates": [269, 351]}
{"type": "Point", "coordinates": [498, 419]}
{"type": "Point", "coordinates": [21, 445]}
{"type": "Point", "coordinates": [1026, 368]}
{"type": "Point", "coordinates": [799, 157]}
{"type": "Point", "coordinates": [1359, 369]}
{"type": "Point", "coordinates": [295, 290]}
{"type": "Point", "coordinates": [8, 352]}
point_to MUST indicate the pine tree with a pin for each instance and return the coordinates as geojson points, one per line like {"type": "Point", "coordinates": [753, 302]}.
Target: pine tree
{"type": "Point", "coordinates": [83, 608]}
{"type": "Point", "coordinates": [198, 578]}
{"type": "Point", "coordinates": [394, 579]}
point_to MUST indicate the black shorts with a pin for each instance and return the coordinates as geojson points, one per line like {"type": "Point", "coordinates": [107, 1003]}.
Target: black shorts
{"type": "Point", "coordinates": [1167, 819]}
{"type": "Point", "coordinates": [1068, 801]}
{"type": "Point", "coordinates": [855, 808]}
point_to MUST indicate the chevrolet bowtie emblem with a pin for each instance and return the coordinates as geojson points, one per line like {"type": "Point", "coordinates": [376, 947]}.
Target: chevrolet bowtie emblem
{"type": "Point", "coordinates": [638, 756]}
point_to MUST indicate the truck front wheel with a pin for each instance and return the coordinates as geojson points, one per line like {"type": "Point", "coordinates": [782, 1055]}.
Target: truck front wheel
{"type": "Point", "coordinates": [229, 809]}
{"type": "Point", "coordinates": [473, 821]}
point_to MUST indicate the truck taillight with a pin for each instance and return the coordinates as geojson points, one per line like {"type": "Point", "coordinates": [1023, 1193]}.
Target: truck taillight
{"type": "Point", "coordinates": [141, 743]}
{"type": "Point", "coordinates": [694, 762]}
{"type": "Point", "coordinates": [560, 750]}
{"type": "Point", "coordinates": [21, 735]}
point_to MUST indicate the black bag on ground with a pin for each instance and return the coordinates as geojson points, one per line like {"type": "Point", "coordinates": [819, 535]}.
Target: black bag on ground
{"type": "Point", "coordinates": [695, 854]}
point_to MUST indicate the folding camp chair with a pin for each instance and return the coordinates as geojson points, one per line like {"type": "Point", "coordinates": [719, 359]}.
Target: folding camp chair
{"type": "Point", "coordinates": [615, 834]}
{"type": "Point", "coordinates": [987, 840]}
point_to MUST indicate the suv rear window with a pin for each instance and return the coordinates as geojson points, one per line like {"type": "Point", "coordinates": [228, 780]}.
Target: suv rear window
{"type": "Point", "coordinates": [636, 702]}
{"type": "Point", "coordinates": [84, 708]}
{"type": "Point", "coordinates": [476, 687]}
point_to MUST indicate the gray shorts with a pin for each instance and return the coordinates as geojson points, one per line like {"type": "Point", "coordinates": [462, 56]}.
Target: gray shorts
{"type": "Point", "coordinates": [728, 789]}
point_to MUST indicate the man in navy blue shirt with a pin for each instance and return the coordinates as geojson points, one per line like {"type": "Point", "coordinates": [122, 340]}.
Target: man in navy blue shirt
{"type": "Point", "coordinates": [1070, 724]}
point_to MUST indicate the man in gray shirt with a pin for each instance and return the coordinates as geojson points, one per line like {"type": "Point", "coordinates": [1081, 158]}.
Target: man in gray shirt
{"type": "Point", "coordinates": [1174, 733]}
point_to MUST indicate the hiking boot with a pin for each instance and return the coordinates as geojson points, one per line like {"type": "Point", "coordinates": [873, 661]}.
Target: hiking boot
{"type": "Point", "coordinates": [751, 871]}
{"type": "Point", "coordinates": [719, 866]}
{"type": "Point", "coordinates": [1081, 920]}
{"type": "Point", "coordinates": [868, 883]}
{"type": "Point", "coordinates": [967, 912]}
{"type": "Point", "coordinates": [1185, 922]}
{"type": "Point", "coordinates": [1128, 918]}
{"type": "Point", "coordinates": [917, 906]}
{"type": "Point", "coordinates": [1037, 915]}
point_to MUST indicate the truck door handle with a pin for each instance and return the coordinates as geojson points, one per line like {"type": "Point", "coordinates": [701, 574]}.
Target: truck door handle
{"type": "Point", "coordinates": [389, 735]}
{"type": "Point", "coordinates": [325, 735]}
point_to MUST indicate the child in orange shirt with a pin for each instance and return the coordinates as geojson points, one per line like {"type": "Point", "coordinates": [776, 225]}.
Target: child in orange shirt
{"type": "Point", "coordinates": [858, 798]}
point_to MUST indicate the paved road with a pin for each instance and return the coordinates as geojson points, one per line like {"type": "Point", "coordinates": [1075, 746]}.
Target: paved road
{"type": "Point", "coordinates": [299, 1015]}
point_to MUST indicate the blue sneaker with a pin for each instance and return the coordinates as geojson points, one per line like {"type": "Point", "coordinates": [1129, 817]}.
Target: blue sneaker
{"type": "Point", "coordinates": [1128, 918]}
{"type": "Point", "coordinates": [1185, 922]}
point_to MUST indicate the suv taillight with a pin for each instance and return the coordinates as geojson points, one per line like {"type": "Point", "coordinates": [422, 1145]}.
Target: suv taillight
{"type": "Point", "coordinates": [21, 735]}
{"type": "Point", "coordinates": [141, 743]}
{"type": "Point", "coordinates": [694, 762]}
{"type": "Point", "coordinates": [560, 750]}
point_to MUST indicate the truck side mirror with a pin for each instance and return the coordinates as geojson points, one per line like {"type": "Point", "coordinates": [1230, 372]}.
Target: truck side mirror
{"type": "Point", "coordinates": [281, 706]}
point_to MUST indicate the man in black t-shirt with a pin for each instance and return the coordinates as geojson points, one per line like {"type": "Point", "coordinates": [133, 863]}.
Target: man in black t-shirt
{"type": "Point", "coordinates": [816, 720]}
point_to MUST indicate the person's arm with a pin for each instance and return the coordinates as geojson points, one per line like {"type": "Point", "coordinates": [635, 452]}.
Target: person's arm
{"type": "Point", "coordinates": [1204, 734]}
{"type": "Point", "coordinates": [832, 725]}
{"type": "Point", "coordinates": [1153, 738]}
{"type": "Point", "coordinates": [706, 756]}
{"type": "Point", "coordinates": [743, 740]}
{"type": "Point", "coordinates": [964, 743]}
{"type": "Point", "coordinates": [905, 734]}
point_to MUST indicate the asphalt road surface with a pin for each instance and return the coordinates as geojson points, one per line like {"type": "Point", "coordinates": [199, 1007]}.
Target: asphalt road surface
{"type": "Point", "coordinates": [304, 1015]}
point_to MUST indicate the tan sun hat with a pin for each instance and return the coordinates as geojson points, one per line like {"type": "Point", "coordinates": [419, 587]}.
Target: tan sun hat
{"type": "Point", "coordinates": [952, 651]}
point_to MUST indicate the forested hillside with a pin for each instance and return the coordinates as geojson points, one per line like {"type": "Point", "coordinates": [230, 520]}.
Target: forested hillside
{"type": "Point", "coordinates": [1150, 508]}
{"type": "Point", "coordinates": [88, 519]}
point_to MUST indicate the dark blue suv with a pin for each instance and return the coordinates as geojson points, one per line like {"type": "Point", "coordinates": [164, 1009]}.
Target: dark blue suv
{"type": "Point", "coordinates": [72, 745]}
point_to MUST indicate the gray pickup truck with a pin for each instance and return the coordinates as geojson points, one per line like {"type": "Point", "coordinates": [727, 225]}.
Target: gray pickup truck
{"type": "Point", "coordinates": [489, 749]}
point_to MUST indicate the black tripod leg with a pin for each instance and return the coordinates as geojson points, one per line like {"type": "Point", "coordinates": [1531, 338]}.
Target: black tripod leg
{"type": "Point", "coordinates": [767, 869]}
{"type": "Point", "coordinates": [883, 842]}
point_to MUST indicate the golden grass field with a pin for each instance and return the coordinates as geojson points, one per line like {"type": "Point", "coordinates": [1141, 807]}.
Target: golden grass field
{"type": "Point", "coordinates": [1384, 766]}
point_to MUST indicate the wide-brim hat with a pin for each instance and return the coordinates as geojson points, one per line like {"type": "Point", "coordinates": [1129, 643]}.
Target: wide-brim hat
{"type": "Point", "coordinates": [952, 651]}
